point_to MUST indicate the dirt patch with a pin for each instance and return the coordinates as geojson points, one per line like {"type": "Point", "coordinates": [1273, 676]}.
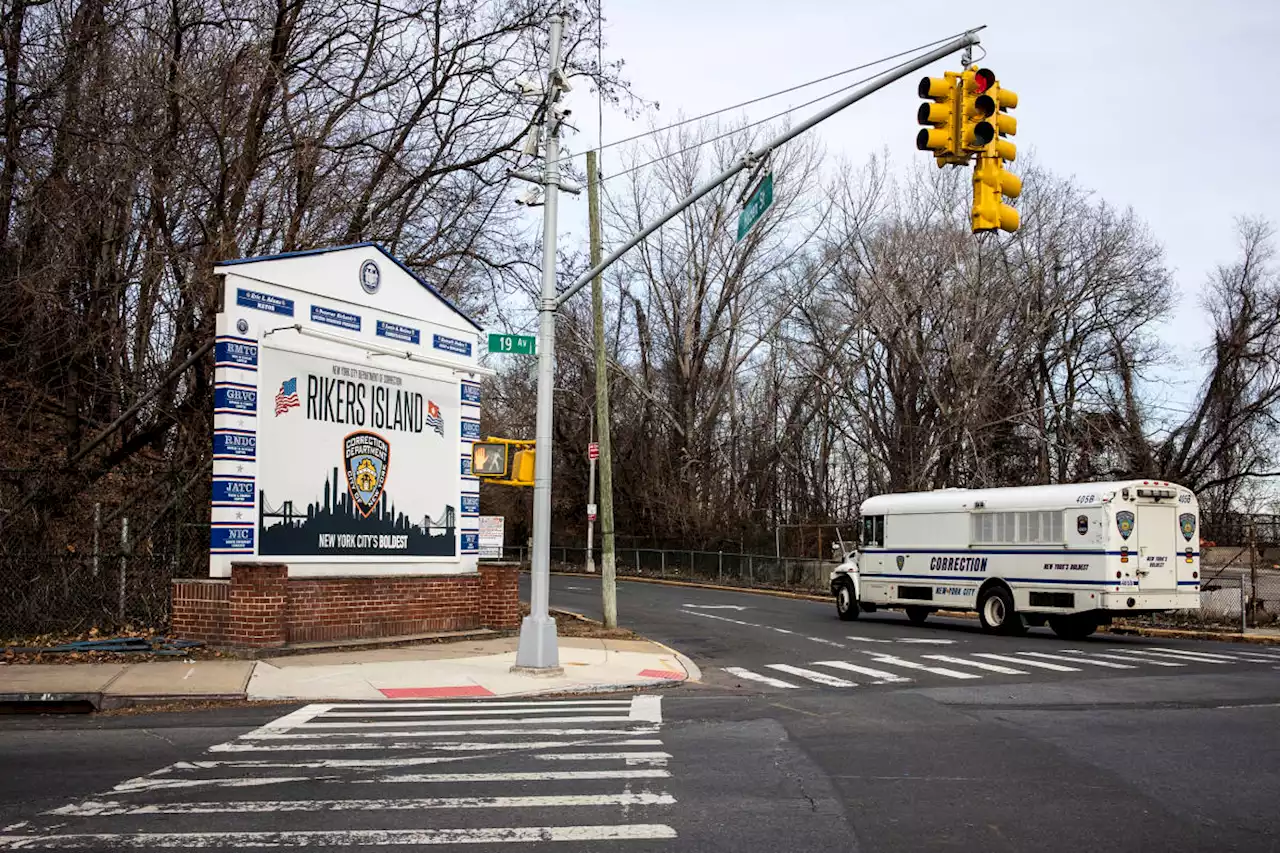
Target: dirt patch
{"type": "Point", "coordinates": [36, 649]}
{"type": "Point", "coordinates": [575, 625]}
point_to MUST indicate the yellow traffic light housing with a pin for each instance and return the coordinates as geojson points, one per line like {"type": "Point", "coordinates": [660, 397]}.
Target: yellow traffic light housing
{"type": "Point", "coordinates": [505, 461]}
{"type": "Point", "coordinates": [941, 118]}
{"type": "Point", "coordinates": [985, 127]}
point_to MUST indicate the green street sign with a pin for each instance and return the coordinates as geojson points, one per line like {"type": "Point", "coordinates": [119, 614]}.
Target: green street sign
{"type": "Point", "coordinates": [756, 206]}
{"type": "Point", "coordinates": [512, 344]}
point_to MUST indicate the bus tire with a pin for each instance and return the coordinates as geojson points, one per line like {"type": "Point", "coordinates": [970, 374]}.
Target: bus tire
{"type": "Point", "coordinates": [846, 602]}
{"type": "Point", "coordinates": [996, 613]}
{"type": "Point", "coordinates": [1077, 626]}
{"type": "Point", "coordinates": [917, 614]}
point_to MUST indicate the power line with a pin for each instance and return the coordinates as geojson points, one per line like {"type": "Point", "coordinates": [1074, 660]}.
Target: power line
{"type": "Point", "coordinates": [765, 120]}
{"type": "Point", "coordinates": [779, 93]}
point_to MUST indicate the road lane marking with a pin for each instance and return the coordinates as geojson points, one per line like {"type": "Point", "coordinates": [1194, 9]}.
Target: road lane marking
{"type": "Point", "coordinates": [1024, 662]}
{"type": "Point", "coordinates": [257, 746]}
{"type": "Point", "coordinates": [324, 736]}
{"type": "Point", "coordinates": [990, 667]}
{"type": "Point", "coordinates": [910, 664]}
{"type": "Point", "coordinates": [812, 675]}
{"type": "Point", "coordinates": [470, 712]}
{"type": "Point", "coordinates": [559, 703]}
{"type": "Point", "coordinates": [925, 641]}
{"type": "Point", "coordinates": [494, 721]}
{"type": "Point", "coordinates": [646, 708]}
{"type": "Point", "coordinates": [1160, 653]}
{"type": "Point", "coordinates": [766, 628]}
{"type": "Point", "coordinates": [545, 776]}
{"type": "Point", "coordinates": [105, 808]}
{"type": "Point", "coordinates": [631, 759]}
{"type": "Point", "coordinates": [879, 674]}
{"type": "Point", "coordinates": [868, 640]}
{"type": "Point", "coordinates": [1090, 661]}
{"type": "Point", "coordinates": [342, 839]}
{"type": "Point", "coordinates": [755, 676]}
{"type": "Point", "coordinates": [715, 606]}
{"type": "Point", "coordinates": [1076, 652]}
{"type": "Point", "coordinates": [1199, 655]}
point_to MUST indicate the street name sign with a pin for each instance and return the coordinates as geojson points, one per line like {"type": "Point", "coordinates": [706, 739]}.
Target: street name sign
{"type": "Point", "coordinates": [512, 344]}
{"type": "Point", "coordinates": [755, 206]}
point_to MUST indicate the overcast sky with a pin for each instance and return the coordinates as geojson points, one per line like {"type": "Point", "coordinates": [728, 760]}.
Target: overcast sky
{"type": "Point", "coordinates": [1155, 105]}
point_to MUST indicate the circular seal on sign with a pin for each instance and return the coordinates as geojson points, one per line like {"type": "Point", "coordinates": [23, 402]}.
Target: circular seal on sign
{"type": "Point", "coordinates": [242, 326]}
{"type": "Point", "coordinates": [370, 277]}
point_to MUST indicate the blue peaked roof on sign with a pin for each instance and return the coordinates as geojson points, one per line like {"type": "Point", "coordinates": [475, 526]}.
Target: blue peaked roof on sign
{"type": "Point", "coordinates": [366, 245]}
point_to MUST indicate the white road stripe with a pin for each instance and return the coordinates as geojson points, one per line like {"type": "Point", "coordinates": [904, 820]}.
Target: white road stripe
{"type": "Point", "coordinates": [989, 667]}
{"type": "Point", "coordinates": [910, 664]}
{"type": "Point", "coordinates": [1080, 659]}
{"type": "Point", "coordinates": [1198, 655]}
{"type": "Point", "coordinates": [297, 718]}
{"type": "Point", "coordinates": [134, 786]}
{"type": "Point", "coordinates": [646, 708]}
{"type": "Point", "coordinates": [1255, 658]}
{"type": "Point", "coordinates": [255, 746]}
{"type": "Point", "coordinates": [470, 712]}
{"type": "Point", "coordinates": [546, 776]}
{"type": "Point", "coordinates": [342, 839]}
{"type": "Point", "coordinates": [656, 759]}
{"type": "Point", "coordinates": [755, 676]}
{"type": "Point", "coordinates": [880, 675]}
{"type": "Point", "coordinates": [495, 721]}
{"type": "Point", "coordinates": [326, 736]}
{"type": "Point", "coordinates": [1160, 653]}
{"type": "Point", "coordinates": [1075, 652]}
{"type": "Point", "coordinates": [1039, 664]}
{"type": "Point", "coordinates": [92, 808]}
{"type": "Point", "coordinates": [868, 640]}
{"type": "Point", "coordinates": [367, 763]}
{"type": "Point", "coordinates": [827, 642]}
{"type": "Point", "coordinates": [488, 703]}
{"type": "Point", "coordinates": [812, 675]}
{"type": "Point", "coordinates": [924, 641]}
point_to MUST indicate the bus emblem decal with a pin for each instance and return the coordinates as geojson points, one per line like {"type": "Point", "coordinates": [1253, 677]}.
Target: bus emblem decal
{"type": "Point", "coordinates": [1187, 522]}
{"type": "Point", "coordinates": [1124, 523]}
{"type": "Point", "coordinates": [1082, 524]}
{"type": "Point", "coordinates": [901, 560]}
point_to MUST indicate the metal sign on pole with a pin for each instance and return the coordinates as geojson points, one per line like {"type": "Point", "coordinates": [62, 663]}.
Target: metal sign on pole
{"type": "Point", "coordinates": [593, 451]}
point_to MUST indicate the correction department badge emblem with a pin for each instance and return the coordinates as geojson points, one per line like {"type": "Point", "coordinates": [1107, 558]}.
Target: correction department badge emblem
{"type": "Point", "coordinates": [901, 560]}
{"type": "Point", "coordinates": [1082, 524]}
{"type": "Point", "coordinates": [1124, 523]}
{"type": "Point", "coordinates": [1187, 524]}
{"type": "Point", "coordinates": [367, 456]}
{"type": "Point", "coordinates": [370, 277]}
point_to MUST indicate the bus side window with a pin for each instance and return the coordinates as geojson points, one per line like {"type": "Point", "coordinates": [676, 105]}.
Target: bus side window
{"type": "Point", "coordinates": [873, 531]}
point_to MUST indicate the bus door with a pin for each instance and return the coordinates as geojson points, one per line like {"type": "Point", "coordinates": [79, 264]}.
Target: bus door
{"type": "Point", "coordinates": [1157, 533]}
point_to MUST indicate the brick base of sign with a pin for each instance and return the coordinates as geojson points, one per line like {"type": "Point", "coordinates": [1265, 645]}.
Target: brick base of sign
{"type": "Point", "coordinates": [260, 606]}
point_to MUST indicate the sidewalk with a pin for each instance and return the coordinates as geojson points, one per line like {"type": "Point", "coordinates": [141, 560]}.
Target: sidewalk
{"type": "Point", "coordinates": [446, 670]}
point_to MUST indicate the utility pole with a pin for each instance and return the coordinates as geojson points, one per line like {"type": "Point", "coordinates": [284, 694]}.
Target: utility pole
{"type": "Point", "coordinates": [538, 650]}
{"type": "Point", "coordinates": [591, 484]}
{"type": "Point", "coordinates": [608, 582]}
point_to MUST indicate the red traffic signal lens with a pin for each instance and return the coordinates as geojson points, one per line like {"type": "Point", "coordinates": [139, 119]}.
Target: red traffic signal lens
{"type": "Point", "coordinates": [984, 80]}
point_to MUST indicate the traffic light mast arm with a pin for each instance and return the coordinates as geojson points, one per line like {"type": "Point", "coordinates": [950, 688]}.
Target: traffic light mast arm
{"type": "Point", "coordinates": [750, 158]}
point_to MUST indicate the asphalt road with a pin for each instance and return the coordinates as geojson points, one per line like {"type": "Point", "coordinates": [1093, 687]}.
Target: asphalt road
{"type": "Point", "coordinates": [1183, 756]}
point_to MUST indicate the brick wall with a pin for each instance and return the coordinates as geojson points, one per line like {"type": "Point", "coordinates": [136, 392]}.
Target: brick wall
{"type": "Point", "coordinates": [200, 609]}
{"type": "Point", "coordinates": [261, 607]}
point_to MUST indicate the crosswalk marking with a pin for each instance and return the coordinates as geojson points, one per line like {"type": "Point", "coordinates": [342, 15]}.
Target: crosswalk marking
{"type": "Point", "coordinates": [1199, 655]}
{"type": "Point", "coordinates": [881, 676]}
{"type": "Point", "coordinates": [1081, 659]}
{"type": "Point", "coordinates": [342, 839]}
{"type": "Point", "coordinates": [910, 664]}
{"type": "Point", "coordinates": [812, 675]}
{"type": "Point", "coordinates": [1163, 654]}
{"type": "Point", "coordinates": [1077, 652]}
{"type": "Point", "coordinates": [1024, 662]}
{"type": "Point", "coordinates": [94, 808]}
{"type": "Point", "coordinates": [990, 667]}
{"type": "Point", "coordinates": [329, 748]}
{"type": "Point", "coordinates": [763, 679]}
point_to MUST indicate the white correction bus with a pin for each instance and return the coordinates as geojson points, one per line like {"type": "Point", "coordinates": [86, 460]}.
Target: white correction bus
{"type": "Point", "coordinates": [1071, 556]}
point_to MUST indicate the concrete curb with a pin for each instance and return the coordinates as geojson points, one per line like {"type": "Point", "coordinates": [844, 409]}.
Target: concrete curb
{"type": "Point", "coordinates": [691, 670]}
{"type": "Point", "coordinates": [1180, 634]}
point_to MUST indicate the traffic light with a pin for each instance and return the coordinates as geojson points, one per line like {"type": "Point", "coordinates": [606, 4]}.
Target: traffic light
{"type": "Point", "coordinates": [941, 118]}
{"type": "Point", "coordinates": [489, 460]}
{"type": "Point", "coordinates": [986, 127]}
{"type": "Point", "coordinates": [522, 467]}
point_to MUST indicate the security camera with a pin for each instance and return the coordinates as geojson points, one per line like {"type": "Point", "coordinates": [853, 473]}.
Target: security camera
{"type": "Point", "coordinates": [532, 197]}
{"type": "Point", "coordinates": [561, 113]}
{"type": "Point", "coordinates": [562, 81]}
{"type": "Point", "coordinates": [528, 86]}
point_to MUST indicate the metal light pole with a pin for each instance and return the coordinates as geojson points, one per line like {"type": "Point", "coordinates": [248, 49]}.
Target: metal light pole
{"type": "Point", "coordinates": [591, 498]}
{"type": "Point", "coordinates": [538, 650]}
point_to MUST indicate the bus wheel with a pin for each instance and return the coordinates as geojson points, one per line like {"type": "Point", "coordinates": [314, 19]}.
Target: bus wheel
{"type": "Point", "coordinates": [996, 613]}
{"type": "Point", "coordinates": [1074, 627]}
{"type": "Point", "coordinates": [917, 614]}
{"type": "Point", "coordinates": [846, 604]}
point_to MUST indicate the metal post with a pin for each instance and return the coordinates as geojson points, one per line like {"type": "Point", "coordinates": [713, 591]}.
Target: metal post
{"type": "Point", "coordinates": [720, 567]}
{"type": "Point", "coordinates": [97, 528]}
{"type": "Point", "coordinates": [538, 648]}
{"type": "Point", "coordinates": [1244, 629]}
{"type": "Point", "coordinates": [751, 571]}
{"type": "Point", "coordinates": [124, 549]}
{"type": "Point", "coordinates": [591, 491]}
{"type": "Point", "coordinates": [663, 554]}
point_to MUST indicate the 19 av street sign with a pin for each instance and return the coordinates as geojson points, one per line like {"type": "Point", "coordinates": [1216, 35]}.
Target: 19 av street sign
{"type": "Point", "coordinates": [511, 344]}
{"type": "Point", "coordinates": [756, 206]}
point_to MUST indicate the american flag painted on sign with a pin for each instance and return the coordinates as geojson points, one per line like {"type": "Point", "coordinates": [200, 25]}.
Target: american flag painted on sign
{"type": "Point", "coordinates": [433, 417]}
{"type": "Point", "coordinates": [287, 396]}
